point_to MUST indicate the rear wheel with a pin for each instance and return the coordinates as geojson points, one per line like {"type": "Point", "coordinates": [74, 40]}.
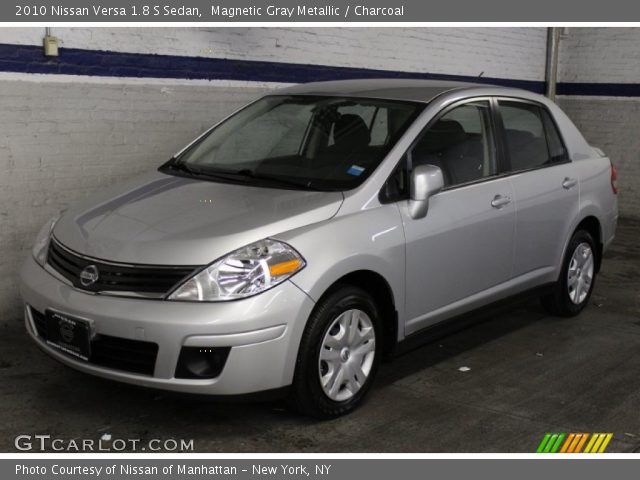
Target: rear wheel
{"type": "Point", "coordinates": [339, 354]}
{"type": "Point", "coordinates": [571, 293]}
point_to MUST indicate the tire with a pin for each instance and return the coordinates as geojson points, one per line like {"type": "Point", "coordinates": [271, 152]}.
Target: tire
{"type": "Point", "coordinates": [569, 295]}
{"type": "Point", "coordinates": [327, 331]}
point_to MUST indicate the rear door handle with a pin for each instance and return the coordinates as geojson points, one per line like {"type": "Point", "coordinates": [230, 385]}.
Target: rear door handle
{"type": "Point", "coordinates": [569, 183]}
{"type": "Point", "coordinates": [500, 201]}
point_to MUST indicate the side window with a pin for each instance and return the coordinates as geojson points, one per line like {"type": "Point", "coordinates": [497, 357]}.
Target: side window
{"type": "Point", "coordinates": [532, 139]}
{"type": "Point", "coordinates": [556, 147]}
{"type": "Point", "coordinates": [397, 186]}
{"type": "Point", "coordinates": [460, 142]}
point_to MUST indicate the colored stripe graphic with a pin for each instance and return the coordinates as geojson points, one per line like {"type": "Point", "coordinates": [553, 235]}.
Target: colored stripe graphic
{"type": "Point", "coordinates": [571, 440]}
{"type": "Point", "coordinates": [543, 443]}
{"type": "Point", "coordinates": [574, 442]}
{"type": "Point", "coordinates": [550, 443]}
{"type": "Point", "coordinates": [598, 442]}
{"type": "Point", "coordinates": [581, 443]}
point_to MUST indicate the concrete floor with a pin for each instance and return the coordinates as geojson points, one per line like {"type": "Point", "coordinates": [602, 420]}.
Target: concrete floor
{"type": "Point", "coordinates": [530, 374]}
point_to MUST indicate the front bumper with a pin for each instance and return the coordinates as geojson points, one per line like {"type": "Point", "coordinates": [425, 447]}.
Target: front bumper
{"type": "Point", "coordinates": [263, 332]}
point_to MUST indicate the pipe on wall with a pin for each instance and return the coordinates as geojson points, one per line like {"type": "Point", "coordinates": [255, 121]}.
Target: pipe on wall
{"type": "Point", "coordinates": [551, 73]}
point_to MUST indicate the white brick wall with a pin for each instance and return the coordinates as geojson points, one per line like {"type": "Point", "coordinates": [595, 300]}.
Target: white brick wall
{"type": "Point", "coordinates": [64, 137]}
{"type": "Point", "coordinates": [498, 52]}
{"type": "Point", "coordinates": [62, 141]}
{"type": "Point", "coordinates": [613, 125]}
{"type": "Point", "coordinates": [601, 55]}
{"type": "Point", "coordinates": [607, 55]}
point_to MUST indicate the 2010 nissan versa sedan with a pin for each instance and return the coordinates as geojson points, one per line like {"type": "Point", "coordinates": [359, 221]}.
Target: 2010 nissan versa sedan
{"type": "Point", "coordinates": [294, 244]}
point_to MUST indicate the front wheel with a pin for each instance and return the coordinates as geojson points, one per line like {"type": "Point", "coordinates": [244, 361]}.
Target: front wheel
{"type": "Point", "coordinates": [571, 293]}
{"type": "Point", "coordinates": [339, 354]}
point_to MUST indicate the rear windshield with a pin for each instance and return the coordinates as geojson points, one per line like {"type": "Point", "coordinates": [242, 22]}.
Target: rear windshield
{"type": "Point", "coordinates": [306, 142]}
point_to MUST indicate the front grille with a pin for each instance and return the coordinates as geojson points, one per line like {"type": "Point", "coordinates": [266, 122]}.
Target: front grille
{"type": "Point", "coordinates": [115, 277]}
{"type": "Point", "coordinates": [133, 356]}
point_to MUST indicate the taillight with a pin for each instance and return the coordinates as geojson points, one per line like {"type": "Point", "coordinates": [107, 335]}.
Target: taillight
{"type": "Point", "coordinates": [614, 179]}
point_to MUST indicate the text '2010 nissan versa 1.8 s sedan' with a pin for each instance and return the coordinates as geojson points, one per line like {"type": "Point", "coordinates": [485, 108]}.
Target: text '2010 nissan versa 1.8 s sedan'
{"type": "Point", "coordinates": [294, 244]}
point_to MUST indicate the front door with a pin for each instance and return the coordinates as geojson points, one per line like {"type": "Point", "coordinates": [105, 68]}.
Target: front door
{"type": "Point", "coordinates": [463, 247]}
{"type": "Point", "coordinates": [462, 251]}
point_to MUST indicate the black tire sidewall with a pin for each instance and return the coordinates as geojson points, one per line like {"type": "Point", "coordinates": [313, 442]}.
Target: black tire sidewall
{"type": "Point", "coordinates": [579, 237]}
{"type": "Point", "coordinates": [310, 397]}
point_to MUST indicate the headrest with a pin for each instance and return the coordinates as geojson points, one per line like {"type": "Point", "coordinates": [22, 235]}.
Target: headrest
{"type": "Point", "coordinates": [448, 126]}
{"type": "Point", "coordinates": [442, 135]}
{"type": "Point", "coordinates": [350, 131]}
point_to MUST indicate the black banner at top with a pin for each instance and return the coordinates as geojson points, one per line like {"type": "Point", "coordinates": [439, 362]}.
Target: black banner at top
{"type": "Point", "coordinates": [281, 11]}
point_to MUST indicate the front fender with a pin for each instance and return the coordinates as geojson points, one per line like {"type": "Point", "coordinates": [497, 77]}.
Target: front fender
{"type": "Point", "coordinates": [370, 240]}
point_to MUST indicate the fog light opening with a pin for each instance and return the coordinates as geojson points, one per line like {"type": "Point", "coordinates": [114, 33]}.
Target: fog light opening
{"type": "Point", "coordinates": [201, 362]}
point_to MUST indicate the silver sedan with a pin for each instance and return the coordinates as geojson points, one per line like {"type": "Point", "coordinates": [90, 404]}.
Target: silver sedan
{"type": "Point", "coordinates": [293, 245]}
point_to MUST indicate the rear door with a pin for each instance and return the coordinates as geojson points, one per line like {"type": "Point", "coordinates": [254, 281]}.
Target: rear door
{"type": "Point", "coordinates": [545, 184]}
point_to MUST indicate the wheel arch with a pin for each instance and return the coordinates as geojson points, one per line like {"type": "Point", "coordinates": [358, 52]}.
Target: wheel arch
{"type": "Point", "coordinates": [591, 224]}
{"type": "Point", "coordinates": [379, 288]}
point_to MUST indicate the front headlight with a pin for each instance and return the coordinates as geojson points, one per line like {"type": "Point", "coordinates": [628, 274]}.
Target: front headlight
{"type": "Point", "coordinates": [42, 241]}
{"type": "Point", "coordinates": [243, 273]}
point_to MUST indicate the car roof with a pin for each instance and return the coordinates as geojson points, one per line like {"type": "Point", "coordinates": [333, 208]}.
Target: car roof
{"type": "Point", "coordinates": [391, 89]}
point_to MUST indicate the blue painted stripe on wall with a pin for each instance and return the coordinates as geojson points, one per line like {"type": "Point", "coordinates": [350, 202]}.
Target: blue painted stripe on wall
{"type": "Point", "coordinates": [599, 89]}
{"type": "Point", "coordinates": [73, 61]}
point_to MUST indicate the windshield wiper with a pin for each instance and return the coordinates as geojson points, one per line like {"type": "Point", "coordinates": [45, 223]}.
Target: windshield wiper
{"type": "Point", "coordinates": [182, 167]}
{"type": "Point", "coordinates": [198, 172]}
{"type": "Point", "coordinates": [248, 173]}
{"type": "Point", "coordinates": [239, 176]}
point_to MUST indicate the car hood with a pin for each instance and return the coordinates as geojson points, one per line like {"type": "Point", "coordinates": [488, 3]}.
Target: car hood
{"type": "Point", "coordinates": [166, 220]}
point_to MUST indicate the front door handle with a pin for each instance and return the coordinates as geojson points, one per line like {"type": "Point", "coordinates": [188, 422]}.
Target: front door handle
{"type": "Point", "coordinates": [500, 201]}
{"type": "Point", "coordinates": [569, 183]}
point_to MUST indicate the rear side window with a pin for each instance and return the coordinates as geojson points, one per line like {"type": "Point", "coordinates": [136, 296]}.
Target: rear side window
{"type": "Point", "coordinates": [556, 147]}
{"type": "Point", "coordinates": [532, 139]}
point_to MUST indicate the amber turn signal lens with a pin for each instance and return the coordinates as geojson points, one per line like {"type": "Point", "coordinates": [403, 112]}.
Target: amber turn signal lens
{"type": "Point", "coordinates": [285, 267]}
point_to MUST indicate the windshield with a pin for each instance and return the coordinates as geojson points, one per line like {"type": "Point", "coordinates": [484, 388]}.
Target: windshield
{"type": "Point", "coordinates": [320, 143]}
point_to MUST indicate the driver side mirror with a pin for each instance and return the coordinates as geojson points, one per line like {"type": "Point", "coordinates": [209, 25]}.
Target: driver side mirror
{"type": "Point", "coordinates": [425, 182]}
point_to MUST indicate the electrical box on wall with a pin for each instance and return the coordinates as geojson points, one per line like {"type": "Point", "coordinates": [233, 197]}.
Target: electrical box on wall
{"type": "Point", "coordinates": [50, 46]}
